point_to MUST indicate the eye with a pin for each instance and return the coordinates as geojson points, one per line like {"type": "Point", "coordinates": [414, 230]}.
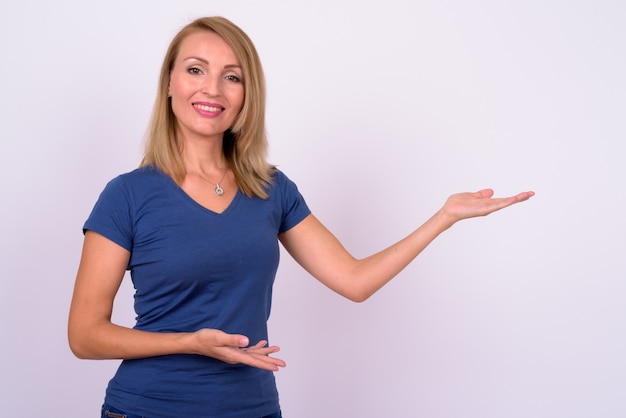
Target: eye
{"type": "Point", "coordinates": [233, 78]}
{"type": "Point", "coordinates": [194, 70]}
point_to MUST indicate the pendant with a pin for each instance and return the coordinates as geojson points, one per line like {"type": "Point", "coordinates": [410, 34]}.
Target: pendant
{"type": "Point", "coordinates": [218, 190]}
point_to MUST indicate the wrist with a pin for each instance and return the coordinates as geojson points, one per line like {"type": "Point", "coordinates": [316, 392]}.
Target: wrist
{"type": "Point", "coordinates": [443, 220]}
{"type": "Point", "coordinates": [186, 343]}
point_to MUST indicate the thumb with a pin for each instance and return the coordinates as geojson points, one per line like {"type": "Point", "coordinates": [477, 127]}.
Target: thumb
{"type": "Point", "coordinates": [224, 339]}
{"type": "Point", "coordinates": [484, 193]}
{"type": "Point", "coordinates": [240, 341]}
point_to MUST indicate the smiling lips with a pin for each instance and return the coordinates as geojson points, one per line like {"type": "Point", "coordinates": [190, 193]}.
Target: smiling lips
{"type": "Point", "coordinates": [208, 109]}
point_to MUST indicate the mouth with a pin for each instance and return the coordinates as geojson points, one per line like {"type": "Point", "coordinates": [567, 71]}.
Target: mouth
{"type": "Point", "coordinates": [208, 107]}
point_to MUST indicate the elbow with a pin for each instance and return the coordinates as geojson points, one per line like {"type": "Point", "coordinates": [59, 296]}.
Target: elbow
{"type": "Point", "coordinates": [77, 348]}
{"type": "Point", "coordinates": [80, 355]}
{"type": "Point", "coordinates": [83, 353]}
{"type": "Point", "coordinates": [78, 351]}
{"type": "Point", "coordinates": [358, 299]}
{"type": "Point", "coordinates": [355, 292]}
{"type": "Point", "coordinates": [357, 296]}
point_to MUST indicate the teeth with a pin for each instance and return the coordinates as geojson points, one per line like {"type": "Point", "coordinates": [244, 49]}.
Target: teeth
{"type": "Point", "coordinates": [208, 108]}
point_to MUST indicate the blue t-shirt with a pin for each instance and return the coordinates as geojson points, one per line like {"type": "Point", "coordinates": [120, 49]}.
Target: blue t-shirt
{"type": "Point", "coordinates": [193, 268]}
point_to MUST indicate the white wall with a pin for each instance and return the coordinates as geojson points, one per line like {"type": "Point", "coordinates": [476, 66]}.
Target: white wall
{"type": "Point", "coordinates": [379, 111]}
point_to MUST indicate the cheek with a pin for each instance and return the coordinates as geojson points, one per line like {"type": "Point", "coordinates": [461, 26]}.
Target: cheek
{"type": "Point", "coordinates": [174, 88]}
{"type": "Point", "coordinates": [237, 99]}
{"type": "Point", "coordinates": [177, 92]}
{"type": "Point", "coordinates": [177, 103]}
{"type": "Point", "coordinates": [180, 84]}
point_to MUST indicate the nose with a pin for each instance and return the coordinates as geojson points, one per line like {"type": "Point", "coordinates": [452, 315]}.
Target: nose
{"type": "Point", "coordinates": [212, 85]}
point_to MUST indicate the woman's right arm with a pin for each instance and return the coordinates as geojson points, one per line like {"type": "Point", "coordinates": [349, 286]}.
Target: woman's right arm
{"type": "Point", "coordinates": [92, 335]}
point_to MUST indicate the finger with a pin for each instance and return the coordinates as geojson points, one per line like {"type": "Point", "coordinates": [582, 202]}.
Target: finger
{"type": "Point", "coordinates": [520, 197]}
{"type": "Point", "coordinates": [260, 352]}
{"type": "Point", "coordinates": [261, 343]}
{"type": "Point", "coordinates": [484, 193]}
{"type": "Point", "coordinates": [268, 362]}
{"type": "Point", "coordinates": [265, 351]}
{"type": "Point", "coordinates": [262, 347]}
{"type": "Point", "coordinates": [232, 340]}
{"type": "Point", "coordinates": [524, 196]}
{"type": "Point", "coordinates": [259, 360]}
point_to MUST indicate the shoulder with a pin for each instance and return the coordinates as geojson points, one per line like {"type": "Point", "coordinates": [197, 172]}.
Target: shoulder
{"type": "Point", "coordinates": [136, 186]}
{"type": "Point", "coordinates": [125, 198]}
{"type": "Point", "coordinates": [140, 175]}
{"type": "Point", "coordinates": [280, 180]}
{"type": "Point", "coordinates": [291, 202]}
{"type": "Point", "coordinates": [139, 179]}
{"type": "Point", "coordinates": [282, 186]}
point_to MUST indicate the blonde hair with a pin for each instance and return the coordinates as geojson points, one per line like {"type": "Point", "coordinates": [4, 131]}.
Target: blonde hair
{"type": "Point", "coordinates": [245, 143]}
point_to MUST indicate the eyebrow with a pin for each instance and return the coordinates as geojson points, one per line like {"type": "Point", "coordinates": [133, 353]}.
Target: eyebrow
{"type": "Point", "coordinates": [207, 62]}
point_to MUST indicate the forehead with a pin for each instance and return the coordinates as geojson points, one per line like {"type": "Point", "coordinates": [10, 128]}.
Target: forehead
{"type": "Point", "coordinates": [207, 45]}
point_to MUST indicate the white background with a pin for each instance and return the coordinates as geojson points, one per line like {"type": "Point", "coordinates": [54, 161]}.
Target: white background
{"type": "Point", "coordinates": [379, 111]}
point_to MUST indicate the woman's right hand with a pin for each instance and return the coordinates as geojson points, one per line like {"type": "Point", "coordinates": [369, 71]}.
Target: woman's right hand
{"type": "Point", "coordinates": [92, 335]}
{"type": "Point", "coordinates": [235, 349]}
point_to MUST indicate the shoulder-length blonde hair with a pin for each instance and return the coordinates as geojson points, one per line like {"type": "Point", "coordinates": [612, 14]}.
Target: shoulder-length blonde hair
{"type": "Point", "coordinates": [245, 143]}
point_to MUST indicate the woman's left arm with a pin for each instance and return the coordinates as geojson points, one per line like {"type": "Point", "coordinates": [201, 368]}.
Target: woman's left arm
{"type": "Point", "coordinates": [320, 253]}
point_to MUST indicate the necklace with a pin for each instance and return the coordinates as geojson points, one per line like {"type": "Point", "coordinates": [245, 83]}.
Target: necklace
{"type": "Point", "coordinates": [217, 189]}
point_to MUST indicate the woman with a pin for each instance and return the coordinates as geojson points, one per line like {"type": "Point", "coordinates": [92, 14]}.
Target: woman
{"type": "Point", "coordinates": [198, 226]}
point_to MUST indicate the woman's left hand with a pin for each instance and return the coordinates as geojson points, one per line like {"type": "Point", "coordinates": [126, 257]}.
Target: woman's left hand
{"type": "Point", "coordinates": [469, 205]}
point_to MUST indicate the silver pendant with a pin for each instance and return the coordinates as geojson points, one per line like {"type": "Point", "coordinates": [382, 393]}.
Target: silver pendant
{"type": "Point", "coordinates": [218, 190]}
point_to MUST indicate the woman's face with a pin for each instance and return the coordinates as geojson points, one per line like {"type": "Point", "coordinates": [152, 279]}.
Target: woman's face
{"type": "Point", "coordinates": [206, 86]}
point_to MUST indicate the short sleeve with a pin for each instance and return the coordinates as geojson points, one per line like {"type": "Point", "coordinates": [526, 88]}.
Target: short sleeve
{"type": "Point", "coordinates": [294, 206]}
{"type": "Point", "coordinates": [111, 216]}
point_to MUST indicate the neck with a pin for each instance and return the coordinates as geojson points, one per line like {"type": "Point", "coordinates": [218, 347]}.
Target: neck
{"type": "Point", "coordinates": [204, 156]}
